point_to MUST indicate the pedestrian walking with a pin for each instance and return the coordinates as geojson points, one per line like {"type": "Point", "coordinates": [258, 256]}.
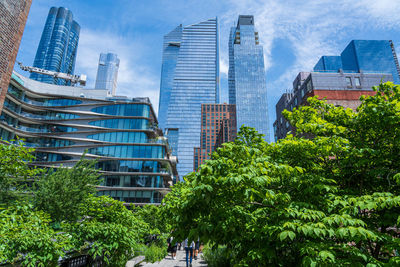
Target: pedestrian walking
{"type": "Point", "coordinates": [172, 247]}
{"type": "Point", "coordinates": [189, 251]}
{"type": "Point", "coordinates": [196, 248]}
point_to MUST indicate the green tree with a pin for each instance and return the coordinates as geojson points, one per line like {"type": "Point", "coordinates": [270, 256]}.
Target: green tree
{"type": "Point", "coordinates": [153, 216]}
{"type": "Point", "coordinates": [330, 200]}
{"type": "Point", "coordinates": [14, 170]}
{"type": "Point", "coordinates": [60, 192]}
{"type": "Point", "coordinates": [27, 239]}
{"type": "Point", "coordinates": [107, 229]}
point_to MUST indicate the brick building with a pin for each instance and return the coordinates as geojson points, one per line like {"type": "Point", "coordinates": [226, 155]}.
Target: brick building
{"type": "Point", "coordinates": [218, 126]}
{"type": "Point", "coordinates": [13, 15]}
{"type": "Point", "coordinates": [339, 89]}
{"type": "Point", "coordinates": [341, 80]}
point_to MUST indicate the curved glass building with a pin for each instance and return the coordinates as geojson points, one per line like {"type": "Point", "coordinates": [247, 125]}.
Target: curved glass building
{"type": "Point", "coordinates": [58, 45]}
{"type": "Point", "coordinates": [63, 122]}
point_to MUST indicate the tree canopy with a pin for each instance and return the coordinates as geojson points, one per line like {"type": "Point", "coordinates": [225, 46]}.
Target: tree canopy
{"type": "Point", "coordinates": [332, 199]}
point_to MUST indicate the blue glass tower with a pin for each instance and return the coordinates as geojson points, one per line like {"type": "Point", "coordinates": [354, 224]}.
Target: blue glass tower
{"type": "Point", "coordinates": [367, 56]}
{"type": "Point", "coordinates": [329, 63]}
{"type": "Point", "coordinates": [189, 78]}
{"type": "Point", "coordinates": [171, 47]}
{"type": "Point", "coordinates": [58, 45]}
{"type": "Point", "coordinates": [107, 73]}
{"type": "Point", "coordinates": [246, 76]}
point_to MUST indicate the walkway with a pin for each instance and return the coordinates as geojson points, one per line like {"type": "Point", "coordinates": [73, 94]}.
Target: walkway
{"type": "Point", "coordinates": [179, 262]}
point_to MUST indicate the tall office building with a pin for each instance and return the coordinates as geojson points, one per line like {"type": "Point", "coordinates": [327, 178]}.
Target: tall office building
{"type": "Point", "coordinates": [13, 15]}
{"type": "Point", "coordinates": [58, 45]}
{"type": "Point", "coordinates": [364, 56]}
{"type": "Point", "coordinates": [246, 76]}
{"type": "Point", "coordinates": [189, 78]}
{"type": "Point", "coordinates": [218, 126]}
{"type": "Point", "coordinates": [171, 47]}
{"type": "Point", "coordinates": [107, 73]}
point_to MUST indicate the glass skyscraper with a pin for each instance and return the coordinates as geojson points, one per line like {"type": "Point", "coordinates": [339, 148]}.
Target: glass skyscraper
{"type": "Point", "coordinates": [189, 78]}
{"type": "Point", "coordinates": [107, 73]}
{"type": "Point", "coordinates": [366, 56]}
{"type": "Point", "coordinates": [58, 45]}
{"type": "Point", "coordinates": [246, 76]}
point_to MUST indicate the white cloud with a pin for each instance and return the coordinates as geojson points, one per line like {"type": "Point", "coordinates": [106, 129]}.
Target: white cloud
{"type": "Point", "coordinates": [223, 66]}
{"type": "Point", "coordinates": [314, 27]}
{"type": "Point", "coordinates": [134, 78]}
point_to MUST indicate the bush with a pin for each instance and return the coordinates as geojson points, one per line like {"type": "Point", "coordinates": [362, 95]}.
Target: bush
{"type": "Point", "coordinates": [155, 253]}
{"type": "Point", "coordinates": [216, 257]}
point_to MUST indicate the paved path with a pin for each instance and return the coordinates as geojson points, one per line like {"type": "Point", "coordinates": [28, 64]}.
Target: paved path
{"type": "Point", "coordinates": [179, 262]}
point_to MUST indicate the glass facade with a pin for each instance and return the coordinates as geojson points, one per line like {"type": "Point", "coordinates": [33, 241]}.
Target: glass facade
{"type": "Point", "coordinates": [134, 181]}
{"type": "Point", "coordinates": [171, 47]}
{"type": "Point", "coordinates": [122, 135]}
{"type": "Point", "coordinates": [329, 63]}
{"type": "Point", "coordinates": [107, 73]}
{"type": "Point", "coordinates": [367, 56]}
{"type": "Point", "coordinates": [58, 45]}
{"type": "Point", "coordinates": [246, 77]}
{"type": "Point", "coordinates": [138, 110]}
{"type": "Point", "coordinates": [131, 166]}
{"type": "Point", "coordinates": [190, 77]}
{"type": "Point", "coordinates": [134, 196]}
{"type": "Point", "coordinates": [153, 152]}
{"type": "Point", "coordinates": [122, 123]}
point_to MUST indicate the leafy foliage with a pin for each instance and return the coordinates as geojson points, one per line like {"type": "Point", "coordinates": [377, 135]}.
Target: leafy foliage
{"type": "Point", "coordinates": [217, 256]}
{"type": "Point", "coordinates": [330, 200]}
{"type": "Point", "coordinates": [107, 229]}
{"type": "Point", "coordinates": [153, 216]}
{"type": "Point", "coordinates": [14, 170]}
{"type": "Point", "coordinates": [155, 253]}
{"type": "Point", "coordinates": [26, 237]}
{"type": "Point", "coordinates": [60, 192]}
{"type": "Point", "coordinates": [65, 217]}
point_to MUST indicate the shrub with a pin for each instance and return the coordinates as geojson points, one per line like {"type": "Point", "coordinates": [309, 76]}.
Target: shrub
{"type": "Point", "coordinates": [155, 253]}
{"type": "Point", "coordinates": [216, 257]}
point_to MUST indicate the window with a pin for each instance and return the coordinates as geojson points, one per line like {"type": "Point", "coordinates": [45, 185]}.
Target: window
{"type": "Point", "coordinates": [357, 81]}
{"type": "Point", "coordinates": [348, 82]}
{"type": "Point", "coordinates": [309, 86]}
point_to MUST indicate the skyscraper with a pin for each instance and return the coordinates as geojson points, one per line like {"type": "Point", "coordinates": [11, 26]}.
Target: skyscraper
{"type": "Point", "coordinates": [366, 56]}
{"type": "Point", "coordinates": [246, 76]}
{"type": "Point", "coordinates": [58, 45]}
{"type": "Point", "coordinates": [13, 15]}
{"type": "Point", "coordinates": [171, 47]}
{"type": "Point", "coordinates": [107, 73]}
{"type": "Point", "coordinates": [218, 126]}
{"type": "Point", "coordinates": [189, 78]}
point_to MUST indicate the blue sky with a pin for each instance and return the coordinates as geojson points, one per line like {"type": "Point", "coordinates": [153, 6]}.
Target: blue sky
{"type": "Point", "coordinates": [294, 35]}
